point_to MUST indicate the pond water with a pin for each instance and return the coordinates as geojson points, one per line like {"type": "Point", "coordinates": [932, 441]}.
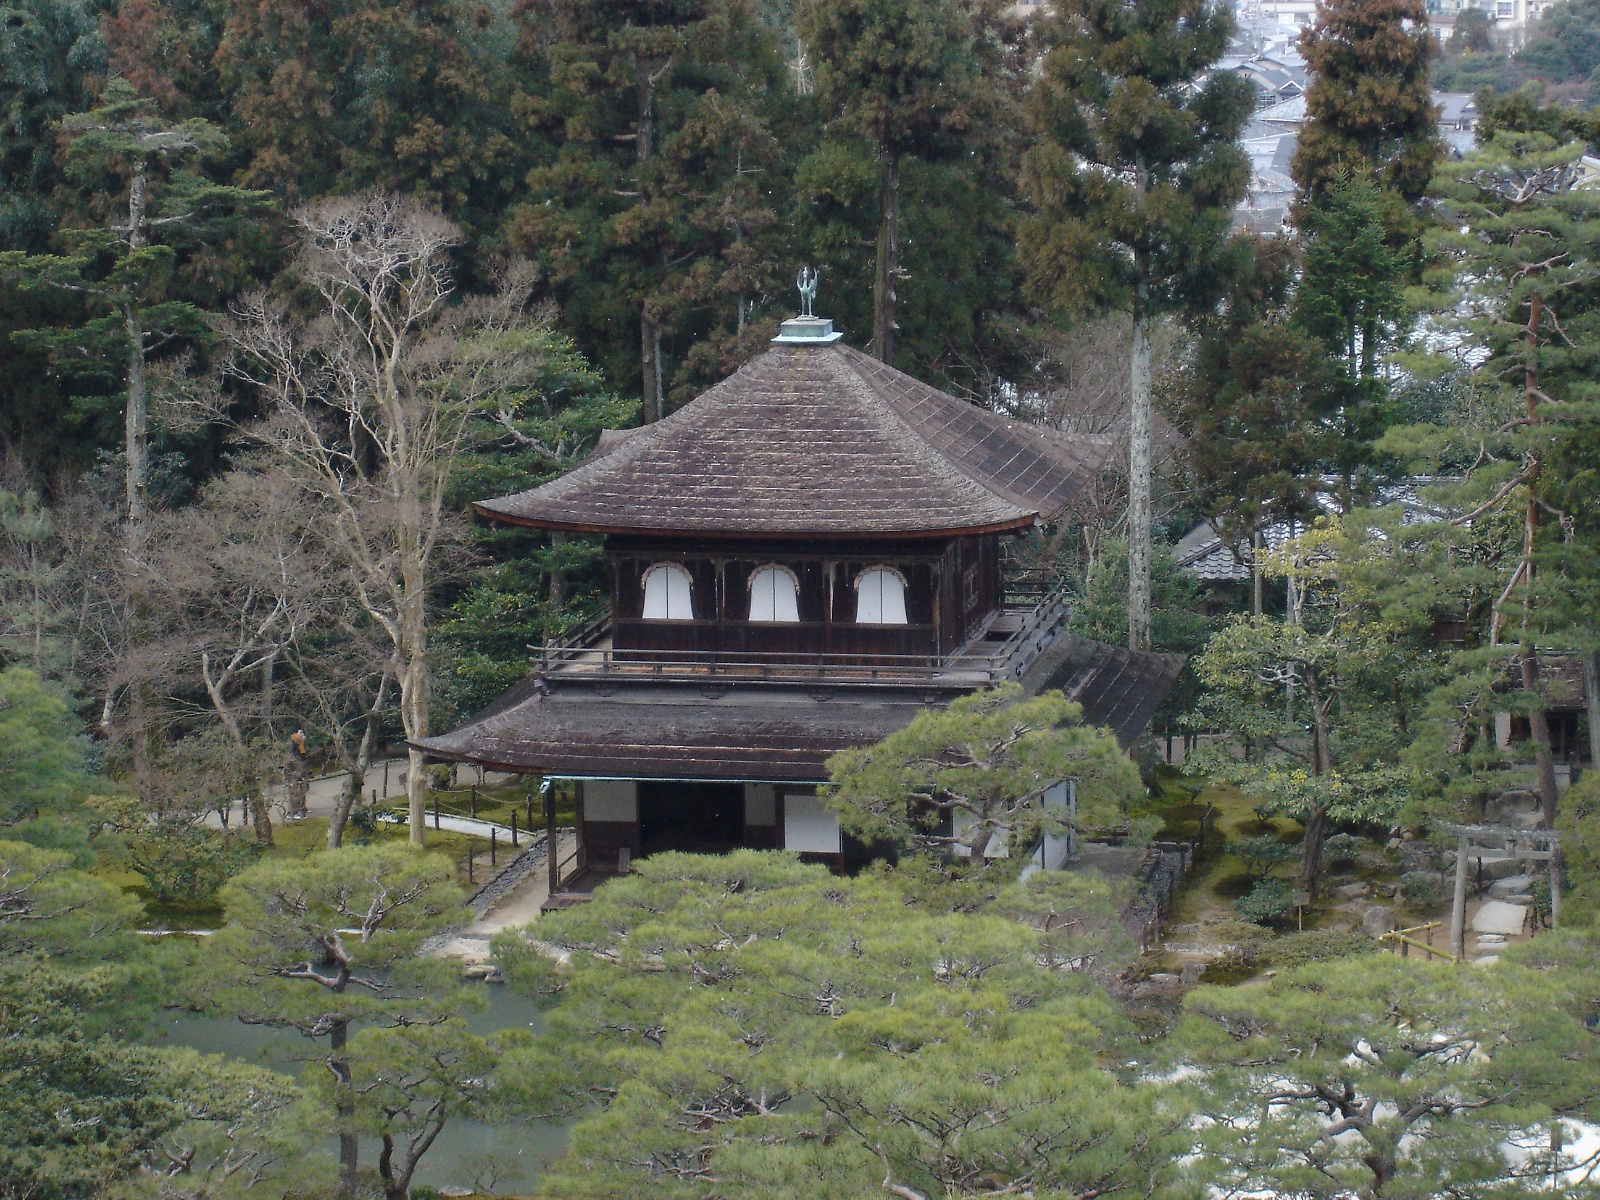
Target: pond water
{"type": "Point", "coordinates": [463, 1149]}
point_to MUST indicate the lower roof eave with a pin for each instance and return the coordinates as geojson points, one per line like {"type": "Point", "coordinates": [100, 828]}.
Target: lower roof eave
{"type": "Point", "coordinates": [660, 764]}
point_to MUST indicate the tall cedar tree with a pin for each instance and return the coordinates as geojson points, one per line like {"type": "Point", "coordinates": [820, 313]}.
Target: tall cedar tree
{"type": "Point", "coordinates": [1251, 403]}
{"type": "Point", "coordinates": [140, 169]}
{"type": "Point", "coordinates": [351, 95]}
{"type": "Point", "coordinates": [1351, 301]}
{"type": "Point", "coordinates": [1367, 108]}
{"type": "Point", "coordinates": [50, 55]}
{"type": "Point", "coordinates": [914, 78]}
{"type": "Point", "coordinates": [1132, 183]}
{"type": "Point", "coordinates": [652, 115]}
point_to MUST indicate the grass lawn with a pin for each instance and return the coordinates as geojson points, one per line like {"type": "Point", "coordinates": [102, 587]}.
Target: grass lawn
{"type": "Point", "coordinates": [496, 802]}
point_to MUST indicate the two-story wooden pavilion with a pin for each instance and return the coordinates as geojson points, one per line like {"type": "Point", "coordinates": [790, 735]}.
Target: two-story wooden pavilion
{"type": "Point", "coordinates": [802, 559]}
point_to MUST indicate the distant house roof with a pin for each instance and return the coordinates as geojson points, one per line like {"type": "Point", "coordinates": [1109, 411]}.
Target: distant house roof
{"type": "Point", "coordinates": [1457, 110]}
{"type": "Point", "coordinates": [1285, 112]}
{"type": "Point", "coordinates": [1203, 553]}
{"type": "Point", "coordinates": [816, 440]}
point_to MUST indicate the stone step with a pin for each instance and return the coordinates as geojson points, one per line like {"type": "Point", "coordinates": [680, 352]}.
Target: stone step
{"type": "Point", "coordinates": [1497, 916]}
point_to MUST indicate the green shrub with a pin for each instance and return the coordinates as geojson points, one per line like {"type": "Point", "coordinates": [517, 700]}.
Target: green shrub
{"type": "Point", "coordinates": [1422, 889]}
{"type": "Point", "coordinates": [1269, 899]}
{"type": "Point", "coordinates": [186, 862]}
{"type": "Point", "coordinates": [1262, 856]}
{"type": "Point", "coordinates": [1314, 945]}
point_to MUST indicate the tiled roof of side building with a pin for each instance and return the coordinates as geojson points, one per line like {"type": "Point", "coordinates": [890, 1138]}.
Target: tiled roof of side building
{"type": "Point", "coordinates": [818, 440]}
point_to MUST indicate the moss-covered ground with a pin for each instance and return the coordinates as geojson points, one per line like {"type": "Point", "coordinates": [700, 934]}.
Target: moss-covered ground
{"type": "Point", "coordinates": [297, 839]}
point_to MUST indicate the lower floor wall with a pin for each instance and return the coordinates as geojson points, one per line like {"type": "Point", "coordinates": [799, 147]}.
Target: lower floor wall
{"type": "Point", "coordinates": [623, 819]}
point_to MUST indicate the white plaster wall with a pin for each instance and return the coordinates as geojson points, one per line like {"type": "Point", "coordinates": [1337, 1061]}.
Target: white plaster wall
{"type": "Point", "coordinates": [808, 825]}
{"type": "Point", "coordinates": [610, 800]}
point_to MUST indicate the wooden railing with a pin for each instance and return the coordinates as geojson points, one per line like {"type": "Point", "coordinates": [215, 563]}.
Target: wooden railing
{"type": "Point", "coordinates": [985, 662]}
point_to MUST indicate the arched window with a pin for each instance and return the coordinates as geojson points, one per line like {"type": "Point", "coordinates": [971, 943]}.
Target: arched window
{"type": "Point", "coordinates": [880, 597]}
{"type": "Point", "coordinates": [774, 595]}
{"type": "Point", "coordinates": [668, 594]}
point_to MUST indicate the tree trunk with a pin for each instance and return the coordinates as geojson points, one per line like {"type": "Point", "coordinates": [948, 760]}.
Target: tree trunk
{"type": "Point", "coordinates": [644, 136]}
{"type": "Point", "coordinates": [1257, 579]}
{"type": "Point", "coordinates": [1316, 824]}
{"type": "Point", "coordinates": [1544, 761]}
{"type": "Point", "coordinates": [883, 290]}
{"type": "Point", "coordinates": [650, 364]}
{"type": "Point", "coordinates": [558, 577]}
{"type": "Point", "coordinates": [269, 664]}
{"type": "Point", "coordinates": [136, 436]}
{"type": "Point", "coordinates": [136, 433]}
{"type": "Point", "coordinates": [1591, 703]}
{"type": "Point", "coordinates": [1139, 516]}
{"type": "Point", "coordinates": [1538, 722]}
{"type": "Point", "coordinates": [1316, 832]}
{"type": "Point", "coordinates": [414, 719]}
{"type": "Point", "coordinates": [356, 769]}
{"type": "Point", "coordinates": [344, 1106]}
{"type": "Point", "coordinates": [391, 1191]}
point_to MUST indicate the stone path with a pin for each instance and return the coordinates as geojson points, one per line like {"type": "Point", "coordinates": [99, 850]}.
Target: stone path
{"type": "Point", "coordinates": [506, 906]}
{"type": "Point", "coordinates": [323, 792]}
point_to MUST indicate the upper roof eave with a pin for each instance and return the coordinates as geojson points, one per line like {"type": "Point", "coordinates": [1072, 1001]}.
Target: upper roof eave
{"type": "Point", "coordinates": [724, 533]}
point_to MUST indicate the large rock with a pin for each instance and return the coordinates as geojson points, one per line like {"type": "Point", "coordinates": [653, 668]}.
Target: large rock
{"type": "Point", "coordinates": [1377, 920]}
{"type": "Point", "coordinates": [1351, 890]}
{"type": "Point", "coordinates": [1512, 885]}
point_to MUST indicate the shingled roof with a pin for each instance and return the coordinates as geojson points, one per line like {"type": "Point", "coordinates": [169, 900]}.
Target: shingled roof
{"type": "Point", "coordinates": [815, 440]}
{"type": "Point", "coordinates": [779, 734]}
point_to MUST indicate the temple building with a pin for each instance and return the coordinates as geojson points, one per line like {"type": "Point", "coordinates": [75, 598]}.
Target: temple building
{"type": "Point", "coordinates": [802, 559]}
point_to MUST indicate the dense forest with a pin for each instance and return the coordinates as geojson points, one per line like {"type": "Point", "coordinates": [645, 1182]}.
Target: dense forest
{"type": "Point", "coordinates": [285, 286]}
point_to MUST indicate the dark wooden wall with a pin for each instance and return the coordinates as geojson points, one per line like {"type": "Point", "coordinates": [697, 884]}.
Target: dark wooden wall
{"type": "Point", "coordinates": [950, 587]}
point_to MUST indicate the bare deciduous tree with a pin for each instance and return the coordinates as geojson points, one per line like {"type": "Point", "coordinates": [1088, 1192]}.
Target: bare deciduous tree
{"type": "Point", "coordinates": [368, 403]}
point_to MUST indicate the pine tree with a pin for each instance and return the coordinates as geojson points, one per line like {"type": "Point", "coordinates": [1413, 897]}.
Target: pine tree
{"type": "Point", "coordinates": [1368, 114]}
{"type": "Point", "coordinates": [1522, 248]}
{"type": "Point", "coordinates": [1132, 185]}
{"type": "Point", "coordinates": [140, 171]}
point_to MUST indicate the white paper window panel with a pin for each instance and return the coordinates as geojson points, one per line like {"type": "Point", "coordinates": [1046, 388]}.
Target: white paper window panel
{"type": "Point", "coordinates": [668, 594]}
{"type": "Point", "coordinates": [880, 599]}
{"type": "Point", "coordinates": [760, 804]}
{"type": "Point", "coordinates": [773, 596]}
{"type": "Point", "coordinates": [808, 825]}
{"type": "Point", "coordinates": [996, 848]}
{"type": "Point", "coordinates": [610, 800]}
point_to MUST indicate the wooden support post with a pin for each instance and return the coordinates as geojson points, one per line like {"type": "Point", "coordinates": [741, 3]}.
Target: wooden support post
{"type": "Point", "coordinates": [494, 847]}
{"type": "Point", "coordinates": [1555, 886]}
{"type": "Point", "coordinates": [474, 802]}
{"type": "Point", "coordinates": [1458, 905]}
{"type": "Point", "coordinates": [470, 879]}
{"type": "Point", "coordinates": [513, 829]}
{"type": "Point", "coordinates": [436, 810]}
{"type": "Point", "coordinates": [386, 777]}
{"type": "Point", "coordinates": [551, 848]}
